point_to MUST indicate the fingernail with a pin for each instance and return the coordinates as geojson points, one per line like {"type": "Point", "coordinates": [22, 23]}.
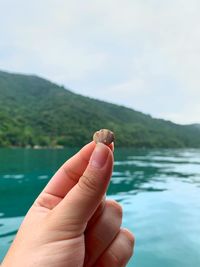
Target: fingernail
{"type": "Point", "coordinates": [99, 156]}
{"type": "Point", "coordinates": [129, 235]}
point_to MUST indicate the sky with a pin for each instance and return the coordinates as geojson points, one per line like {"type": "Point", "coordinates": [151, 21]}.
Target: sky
{"type": "Point", "coordinates": [141, 54]}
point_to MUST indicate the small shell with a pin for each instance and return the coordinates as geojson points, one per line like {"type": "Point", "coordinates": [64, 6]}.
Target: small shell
{"type": "Point", "coordinates": [104, 136]}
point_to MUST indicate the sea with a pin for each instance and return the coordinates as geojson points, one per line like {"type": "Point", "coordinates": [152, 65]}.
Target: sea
{"type": "Point", "coordinates": [159, 190]}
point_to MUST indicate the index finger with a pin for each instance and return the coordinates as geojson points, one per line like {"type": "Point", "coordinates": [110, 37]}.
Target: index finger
{"type": "Point", "coordinates": [69, 173]}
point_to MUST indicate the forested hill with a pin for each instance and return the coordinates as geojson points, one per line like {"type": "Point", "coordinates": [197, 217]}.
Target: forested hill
{"type": "Point", "coordinates": [34, 111]}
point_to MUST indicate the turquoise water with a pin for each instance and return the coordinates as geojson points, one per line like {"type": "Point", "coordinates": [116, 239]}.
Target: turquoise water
{"type": "Point", "coordinates": [158, 189]}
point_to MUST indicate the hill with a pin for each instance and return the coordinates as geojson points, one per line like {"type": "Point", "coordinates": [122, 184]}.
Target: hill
{"type": "Point", "coordinates": [34, 111]}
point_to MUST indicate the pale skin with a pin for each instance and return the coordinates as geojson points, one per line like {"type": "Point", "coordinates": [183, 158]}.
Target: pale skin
{"type": "Point", "coordinates": [71, 224]}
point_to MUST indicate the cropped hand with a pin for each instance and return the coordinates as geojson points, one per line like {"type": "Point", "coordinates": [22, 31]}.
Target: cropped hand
{"type": "Point", "coordinates": [71, 224]}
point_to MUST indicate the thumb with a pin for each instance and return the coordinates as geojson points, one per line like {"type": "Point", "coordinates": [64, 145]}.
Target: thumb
{"type": "Point", "coordinates": [80, 203]}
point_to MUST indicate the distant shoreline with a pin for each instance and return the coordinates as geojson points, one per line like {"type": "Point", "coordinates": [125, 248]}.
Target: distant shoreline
{"type": "Point", "coordinates": [78, 147]}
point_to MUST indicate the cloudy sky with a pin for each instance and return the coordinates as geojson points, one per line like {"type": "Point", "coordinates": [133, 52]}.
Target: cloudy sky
{"type": "Point", "coordinates": [141, 54]}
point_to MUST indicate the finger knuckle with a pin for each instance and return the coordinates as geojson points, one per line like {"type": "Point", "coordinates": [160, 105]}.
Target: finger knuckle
{"type": "Point", "coordinates": [87, 184]}
{"type": "Point", "coordinates": [117, 207]}
{"type": "Point", "coordinates": [123, 258]}
{"type": "Point", "coordinates": [117, 260]}
{"type": "Point", "coordinates": [129, 253]}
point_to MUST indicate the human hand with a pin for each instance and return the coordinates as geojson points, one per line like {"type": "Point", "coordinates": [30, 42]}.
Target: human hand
{"type": "Point", "coordinates": [71, 224]}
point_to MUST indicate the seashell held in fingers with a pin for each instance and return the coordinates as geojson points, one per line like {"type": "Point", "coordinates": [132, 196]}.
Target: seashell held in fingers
{"type": "Point", "coordinates": [104, 136]}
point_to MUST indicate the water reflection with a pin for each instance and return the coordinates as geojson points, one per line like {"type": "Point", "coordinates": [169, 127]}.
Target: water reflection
{"type": "Point", "coordinates": [149, 170]}
{"type": "Point", "coordinates": [158, 189]}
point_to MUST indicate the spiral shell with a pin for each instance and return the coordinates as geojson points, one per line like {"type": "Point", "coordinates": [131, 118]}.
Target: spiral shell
{"type": "Point", "coordinates": [104, 136]}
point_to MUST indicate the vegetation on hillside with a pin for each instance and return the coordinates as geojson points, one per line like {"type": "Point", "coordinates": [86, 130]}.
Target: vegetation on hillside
{"type": "Point", "coordinates": [34, 111]}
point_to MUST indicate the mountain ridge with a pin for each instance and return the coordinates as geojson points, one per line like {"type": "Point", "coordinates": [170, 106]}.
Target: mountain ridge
{"type": "Point", "coordinates": [35, 111]}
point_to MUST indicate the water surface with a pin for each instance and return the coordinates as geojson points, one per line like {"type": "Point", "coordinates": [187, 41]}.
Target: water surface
{"type": "Point", "coordinates": [158, 189]}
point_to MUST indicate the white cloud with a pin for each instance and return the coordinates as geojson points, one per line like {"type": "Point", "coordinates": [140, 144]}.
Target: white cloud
{"type": "Point", "coordinates": [144, 54]}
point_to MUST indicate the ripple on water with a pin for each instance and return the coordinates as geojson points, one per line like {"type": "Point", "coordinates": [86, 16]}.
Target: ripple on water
{"type": "Point", "coordinates": [8, 230]}
{"type": "Point", "coordinates": [13, 176]}
{"type": "Point", "coordinates": [43, 177]}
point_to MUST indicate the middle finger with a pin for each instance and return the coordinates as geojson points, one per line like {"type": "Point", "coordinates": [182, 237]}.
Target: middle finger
{"type": "Point", "coordinates": [102, 232]}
